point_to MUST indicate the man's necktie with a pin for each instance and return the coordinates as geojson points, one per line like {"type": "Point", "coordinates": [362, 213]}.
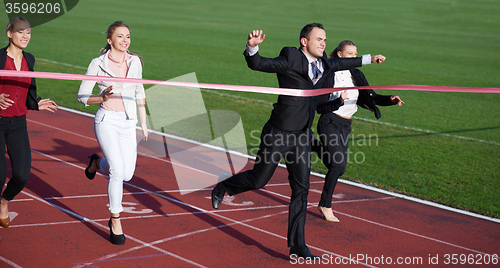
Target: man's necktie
{"type": "Point", "coordinates": [316, 72]}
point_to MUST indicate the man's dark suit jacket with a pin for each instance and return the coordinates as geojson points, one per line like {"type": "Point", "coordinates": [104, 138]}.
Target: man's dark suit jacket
{"type": "Point", "coordinates": [367, 98]}
{"type": "Point", "coordinates": [293, 113]}
{"type": "Point", "coordinates": [31, 100]}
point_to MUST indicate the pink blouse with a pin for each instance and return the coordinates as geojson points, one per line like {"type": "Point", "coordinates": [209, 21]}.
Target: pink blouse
{"type": "Point", "coordinates": [115, 102]}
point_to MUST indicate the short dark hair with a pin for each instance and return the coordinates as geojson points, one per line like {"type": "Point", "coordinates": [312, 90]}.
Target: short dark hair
{"type": "Point", "coordinates": [304, 33]}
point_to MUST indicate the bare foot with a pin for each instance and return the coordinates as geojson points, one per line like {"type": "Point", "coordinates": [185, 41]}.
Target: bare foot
{"type": "Point", "coordinates": [328, 214]}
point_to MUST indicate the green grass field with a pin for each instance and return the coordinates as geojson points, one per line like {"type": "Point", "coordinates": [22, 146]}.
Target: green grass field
{"type": "Point", "coordinates": [443, 147]}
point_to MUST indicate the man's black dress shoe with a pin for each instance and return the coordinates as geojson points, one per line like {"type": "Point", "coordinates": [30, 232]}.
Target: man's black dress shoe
{"type": "Point", "coordinates": [217, 195]}
{"type": "Point", "coordinates": [302, 251]}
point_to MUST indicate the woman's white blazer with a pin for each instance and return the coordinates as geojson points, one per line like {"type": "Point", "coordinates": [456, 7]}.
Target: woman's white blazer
{"type": "Point", "coordinates": [129, 91]}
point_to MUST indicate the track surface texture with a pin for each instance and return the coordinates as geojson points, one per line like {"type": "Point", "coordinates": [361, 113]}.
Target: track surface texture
{"type": "Point", "coordinates": [60, 219]}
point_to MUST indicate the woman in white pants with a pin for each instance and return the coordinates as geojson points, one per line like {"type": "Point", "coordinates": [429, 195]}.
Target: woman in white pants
{"type": "Point", "coordinates": [115, 121]}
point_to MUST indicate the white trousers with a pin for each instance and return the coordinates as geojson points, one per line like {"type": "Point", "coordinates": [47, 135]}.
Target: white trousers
{"type": "Point", "coordinates": [116, 136]}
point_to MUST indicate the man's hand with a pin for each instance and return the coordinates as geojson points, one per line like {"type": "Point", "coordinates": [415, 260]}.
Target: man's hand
{"type": "Point", "coordinates": [397, 99]}
{"type": "Point", "coordinates": [378, 59]}
{"type": "Point", "coordinates": [255, 38]}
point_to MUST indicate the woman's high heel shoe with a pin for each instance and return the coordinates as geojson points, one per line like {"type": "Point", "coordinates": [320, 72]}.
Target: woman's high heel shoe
{"type": "Point", "coordinates": [90, 175]}
{"type": "Point", "coordinates": [113, 238]}
{"type": "Point", "coordinates": [5, 222]}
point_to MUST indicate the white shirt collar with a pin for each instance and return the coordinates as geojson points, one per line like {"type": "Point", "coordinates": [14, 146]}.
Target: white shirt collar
{"type": "Point", "coordinates": [310, 60]}
{"type": "Point", "coordinates": [318, 62]}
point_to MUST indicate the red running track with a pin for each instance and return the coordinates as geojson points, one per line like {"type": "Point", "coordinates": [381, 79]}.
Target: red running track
{"type": "Point", "coordinates": [60, 219]}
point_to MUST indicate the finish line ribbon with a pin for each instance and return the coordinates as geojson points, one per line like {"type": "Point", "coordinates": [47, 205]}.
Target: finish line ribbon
{"type": "Point", "coordinates": [267, 90]}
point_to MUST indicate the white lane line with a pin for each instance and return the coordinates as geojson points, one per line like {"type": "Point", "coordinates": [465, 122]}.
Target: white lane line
{"type": "Point", "coordinates": [359, 185]}
{"type": "Point", "coordinates": [340, 201]}
{"type": "Point", "coordinates": [202, 210]}
{"type": "Point", "coordinates": [244, 221]}
{"type": "Point", "coordinates": [76, 215]}
{"type": "Point", "coordinates": [374, 121]}
{"type": "Point", "coordinates": [143, 154]}
{"type": "Point", "coordinates": [383, 225]}
{"type": "Point", "coordinates": [9, 262]}
{"type": "Point", "coordinates": [355, 117]}
{"type": "Point", "coordinates": [413, 199]}
{"type": "Point", "coordinates": [412, 233]}
{"type": "Point", "coordinates": [164, 197]}
{"type": "Point", "coordinates": [63, 64]}
{"type": "Point", "coordinates": [149, 216]}
{"type": "Point", "coordinates": [60, 129]}
{"type": "Point", "coordinates": [86, 196]}
{"type": "Point", "coordinates": [144, 244]}
{"type": "Point", "coordinates": [179, 213]}
{"type": "Point", "coordinates": [21, 200]}
{"type": "Point", "coordinates": [97, 224]}
{"type": "Point", "coordinates": [214, 213]}
{"type": "Point", "coordinates": [313, 205]}
{"type": "Point", "coordinates": [425, 130]}
{"type": "Point", "coordinates": [100, 225]}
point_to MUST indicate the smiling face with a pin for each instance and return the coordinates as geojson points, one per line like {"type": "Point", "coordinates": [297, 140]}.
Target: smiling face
{"type": "Point", "coordinates": [314, 45]}
{"type": "Point", "coordinates": [20, 38]}
{"type": "Point", "coordinates": [18, 31]}
{"type": "Point", "coordinates": [120, 39]}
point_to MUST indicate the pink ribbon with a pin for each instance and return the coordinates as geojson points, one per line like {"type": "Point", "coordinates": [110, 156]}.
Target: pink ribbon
{"type": "Point", "coordinates": [268, 90]}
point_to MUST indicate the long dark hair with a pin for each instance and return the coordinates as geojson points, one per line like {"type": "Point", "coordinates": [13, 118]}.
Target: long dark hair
{"type": "Point", "coordinates": [109, 33]}
{"type": "Point", "coordinates": [340, 47]}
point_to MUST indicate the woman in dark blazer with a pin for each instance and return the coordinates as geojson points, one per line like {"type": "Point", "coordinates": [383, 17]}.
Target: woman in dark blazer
{"type": "Point", "coordinates": [17, 96]}
{"type": "Point", "coordinates": [334, 125]}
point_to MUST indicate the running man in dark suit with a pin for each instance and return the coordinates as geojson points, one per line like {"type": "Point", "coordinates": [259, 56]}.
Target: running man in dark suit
{"type": "Point", "coordinates": [287, 133]}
